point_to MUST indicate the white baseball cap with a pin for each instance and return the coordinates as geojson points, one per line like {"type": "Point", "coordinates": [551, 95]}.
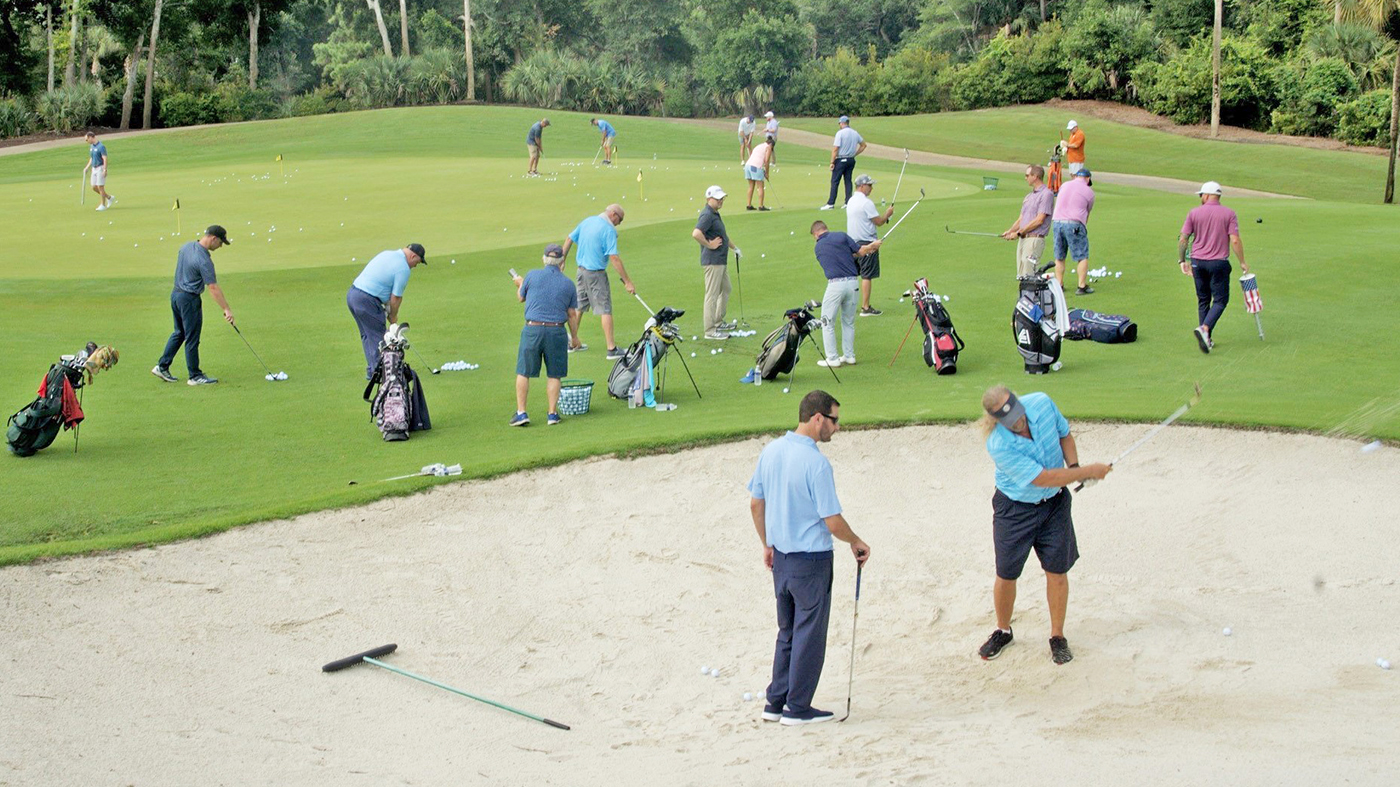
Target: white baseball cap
{"type": "Point", "coordinates": [768, 114]}
{"type": "Point", "coordinates": [715, 192]}
{"type": "Point", "coordinates": [1072, 126]}
{"type": "Point", "coordinates": [1210, 187]}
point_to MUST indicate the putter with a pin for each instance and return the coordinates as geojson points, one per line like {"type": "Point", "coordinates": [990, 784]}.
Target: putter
{"type": "Point", "coordinates": [371, 657]}
{"type": "Point", "coordinates": [270, 375]}
{"type": "Point", "coordinates": [434, 369]}
{"type": "Point", "coordinates": [967, 232]}
{"type": "Point", "coordinates": [905, 216]}
{"type": "Point", "coordinates": [895, 198]}
{"type": "Point", "coordinates": [851, 681]}
{"type": "Point", "coordinates": [1180, 411]}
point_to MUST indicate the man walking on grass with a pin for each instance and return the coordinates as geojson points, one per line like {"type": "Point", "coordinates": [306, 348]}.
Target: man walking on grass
{"type": "Point", "coordinates": [844, 148]}
{"type": "Point", "coordinates": [714, 243]}
{"type": "Point", "coordinates": [1036, 458]}
{"type": "Point", "coordinates": [551, 303]}
{"type": "Point", "coordinates": [1031, 227]}
{"type": "Point", "coordinates": [1215, 229]}
{"type": "Point", "coordinates": [862, 217]}
{"type": "Point", "coordinates": [534, 143]}
{"type": "Point", "coordinates": [377, 293]}
{"type": "Point", "coordinates": [796, 512]}
{"type": "Point", "coordinates": [1071, 227]}
{"type": "Point", "coordinates": [194, 272]}
{"type": "Point", "coordinates": [837, 254]}
{"type": "Point", "coordinates": [97, 162]}
{"type": "Point", "coordinates": [596, 237]}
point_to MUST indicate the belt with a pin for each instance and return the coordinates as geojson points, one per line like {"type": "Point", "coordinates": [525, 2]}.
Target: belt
{"type": "Point", "coordinates": [841, 279]}
{"type": "Point", "coordinates": [545, 324]}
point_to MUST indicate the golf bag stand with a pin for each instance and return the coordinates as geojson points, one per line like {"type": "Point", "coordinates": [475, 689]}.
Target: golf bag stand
{"type": "Point", "coordinates": [1033, 324]}
{"type": "Point", "coordinates": [941, 340]}
{"type": "Point", "coordinates": [59, 404]}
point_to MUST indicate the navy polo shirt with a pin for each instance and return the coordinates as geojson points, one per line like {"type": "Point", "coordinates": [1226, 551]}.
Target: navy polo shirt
{"type": "Point", "coordinates": [836, 254]}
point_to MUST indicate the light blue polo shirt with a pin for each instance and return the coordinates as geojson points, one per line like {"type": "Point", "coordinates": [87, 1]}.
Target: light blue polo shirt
{"type": "Point", "coordinates": [1020, 460]}
{"type": "Point", "coordinates": [606, 127]}
{"type": "Point", "coordinates": [385, 275]}
{"type": "Point", "coordinates": [847, 142]}
{"type": "Point", "coordinates": [596, 238]}
{"type": "Point", "coordinates": [798, 490]}
{"type": "Point", "coordinates": [97, 151]}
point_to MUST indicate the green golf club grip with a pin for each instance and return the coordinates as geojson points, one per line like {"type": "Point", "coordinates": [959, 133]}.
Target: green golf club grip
{"type": "Point", "coordinates": [351, 661]}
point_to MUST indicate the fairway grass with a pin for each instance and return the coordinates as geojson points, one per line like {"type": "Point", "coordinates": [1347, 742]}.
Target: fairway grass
{"type": "Point", "coordinates": [160, 461]}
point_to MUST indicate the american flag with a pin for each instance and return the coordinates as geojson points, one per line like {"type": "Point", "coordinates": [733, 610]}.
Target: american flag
{"type": "Point", "coordinates": [1252, 302]}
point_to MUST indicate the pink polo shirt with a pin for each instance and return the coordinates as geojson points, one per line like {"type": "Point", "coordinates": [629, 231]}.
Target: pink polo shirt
{"type": "Point", "coordinates": [1211, 225]}
{"type": "Point", "coordinates": [1074, 202]}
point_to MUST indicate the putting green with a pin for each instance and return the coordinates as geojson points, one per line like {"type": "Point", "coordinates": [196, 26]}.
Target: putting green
{"type": "Point", "coordinates": [161, 461]}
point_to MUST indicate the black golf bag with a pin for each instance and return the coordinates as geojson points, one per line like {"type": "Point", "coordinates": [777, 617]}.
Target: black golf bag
{"type": "Point", "coordinates": [658, 336]}
{"type": "Point", "coordinates": [38, 423]}
{"type": "Point", "coordinates": [941, 340]}
{"type": "Point", "coordinates": [1033, 325]}
{"type": "Point", "coordinates": [398, 406]}
{"type": "Point", "coordinates": [780, 349]}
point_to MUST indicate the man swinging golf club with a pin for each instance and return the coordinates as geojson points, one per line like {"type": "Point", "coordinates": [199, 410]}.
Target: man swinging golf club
{"type": "Point", "coordinates": [1211, 230]}
{"type": "Point", "coordinates": [837, 254]}
{"type": "Point", "coordinates": [596, 237]}
{"type": "Point", "coordinates": [862, 217]}
{"type": "Point", "coordinates": [376, 295]}
{"type": "Point", "coordinates": [194, 272]}
{"type": "Point", "coordinates": [796, 512]}
{"type": "Point", "coordinates": [534, 145]}
{"type": "Point", "coordinates": [1036, 459]}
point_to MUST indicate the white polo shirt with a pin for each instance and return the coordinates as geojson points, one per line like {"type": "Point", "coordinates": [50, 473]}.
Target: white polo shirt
{"type": "Point", "coordinates": [860, 209]}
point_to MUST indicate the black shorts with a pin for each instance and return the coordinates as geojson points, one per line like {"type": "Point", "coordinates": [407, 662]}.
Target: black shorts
{"type": "Point", "coordinates": [869, 265]}
{"type": "Point", "coordinates": [1048, 527]}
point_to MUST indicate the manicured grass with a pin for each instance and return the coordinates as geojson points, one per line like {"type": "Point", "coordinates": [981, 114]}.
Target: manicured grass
{"type": "Point", "coordinates": [1028, 133]}
{"type": "Point", "coordinates": [161, 461]}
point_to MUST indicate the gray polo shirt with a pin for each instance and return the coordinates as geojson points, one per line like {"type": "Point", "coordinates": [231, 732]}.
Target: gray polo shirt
{"type": "Point", "coordinates": [713, 227]}
{"type": "Point", "coordinates": [194, 269]}
{"type": "Point", "coordinates": [847, 142]}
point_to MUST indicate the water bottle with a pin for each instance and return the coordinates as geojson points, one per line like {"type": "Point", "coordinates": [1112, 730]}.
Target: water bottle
{"type": "Point", "coordinates": [757, 376]}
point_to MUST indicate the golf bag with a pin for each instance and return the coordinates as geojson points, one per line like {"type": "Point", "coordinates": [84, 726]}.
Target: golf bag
{"type": "Point", "coordinates": [394, 406]}
{"type": "Point", "coordinates": [1053, 174]}
{"type": "Point", "coordinates": [658, 336]}
{"type": "Point", "coordinates": [941, 341]}
{"type": "Point", "coordinates": [1103, 328]}
{"type": "Point", "coordinates": [1033, 325]}
{"type": "Point", "coordinates": [779, 353]}
{"type": "Point", "coordinates": [38, 423]}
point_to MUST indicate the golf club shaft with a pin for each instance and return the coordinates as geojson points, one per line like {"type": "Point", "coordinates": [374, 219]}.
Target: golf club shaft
{"type": "Point", "coordinates": [445, 687]}
{"type": "Point", "coordinates": [895, 198]}
{"type": "Point", "coordinates": [968, 232]}
{"type": "Point", "coordinates": [421, 358]}
{"type": "Point", "coordinates": [643, 303]}
{"type": "Point", "coordinates": [1151, 433]}
{"type": "Point", "coordinates": [250, 348]}
{"type": "Point", "coordinates": [739, 278]}
{"type": "Point", "coordinates": [855, 617]}
{"type": "Point", "coordinates": [902, 218]}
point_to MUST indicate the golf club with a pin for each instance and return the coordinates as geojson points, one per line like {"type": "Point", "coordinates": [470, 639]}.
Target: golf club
{"type": "Point", "coordinates": [739, 280]}
{"type": "Point", "coordinates": [1180, 411]}
{"type": "Point", "coordinates": [598, 153]}
{"type": "Point", "coordinates": [270, 376]}
{"type": "Point", "coordinates": [851, 681]}
{"type": "Point", "coordinates": [967, 232]}
{"type": "Point", "coordinates": [895, 198]}
{"type": "Point", "coordinates": [434, 369]}
{"type": "Point", "coordinates": [370, 657]}
{"type": "Point", "coordinates": [82, 188]}
{"type": "Point", "coordinates": [678, 354]}
{"type": "Point", "coordinates": [891, 230]}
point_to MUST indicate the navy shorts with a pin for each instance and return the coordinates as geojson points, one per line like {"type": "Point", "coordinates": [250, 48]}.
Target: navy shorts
{"type": "Point", "coordinates": [1048, 528]}
{"type": "Point", "coordinates": [1071, 238]}
{"type": "Point", "coordinates": [549, 343]}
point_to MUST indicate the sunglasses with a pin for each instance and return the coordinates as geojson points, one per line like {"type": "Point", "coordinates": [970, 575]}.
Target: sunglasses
{"type": "Point", "coordinates": [832, 418]}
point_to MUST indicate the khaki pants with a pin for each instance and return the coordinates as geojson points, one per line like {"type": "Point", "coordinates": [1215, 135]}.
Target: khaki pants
{"type": "Point", "coordinates": [1028, 253]}
{"type": "Point", "coordinates": [716, 294]}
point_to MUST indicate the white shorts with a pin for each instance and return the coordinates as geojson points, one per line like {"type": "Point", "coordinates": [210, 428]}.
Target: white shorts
{"type": "Point", "coordinates": [99, 176]}
{"type": "Point", "coordinates": [1075, 166]}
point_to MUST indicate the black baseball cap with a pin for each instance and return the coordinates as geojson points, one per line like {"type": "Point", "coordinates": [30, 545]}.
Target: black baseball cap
{"type": "Point", "coordinates": [554, 250]}
{"type": "Point", "coordinates": [417, 248]}
{"type": "Point", "coordinates": [220, 233]}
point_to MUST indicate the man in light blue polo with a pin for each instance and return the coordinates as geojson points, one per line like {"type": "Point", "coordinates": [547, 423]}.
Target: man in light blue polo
{"type": "Point", "coordinates": [609, 134]}
{"type": "Point", "coordinates": [847, 144]}
{"type": "Point", "coordinates": [1036, 458]}
{"type": "Point", "coordinates": [596, 237]}
{"type": "Point", "coordinates": [796, 512]}
{"type": "Point", "coordinates": [377, 290]}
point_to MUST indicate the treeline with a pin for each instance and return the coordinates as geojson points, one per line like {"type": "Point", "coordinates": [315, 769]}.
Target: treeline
{"type": "Point", "coordinates": [1312, 67]}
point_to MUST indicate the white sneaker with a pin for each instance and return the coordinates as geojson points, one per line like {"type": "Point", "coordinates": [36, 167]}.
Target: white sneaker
{"type": "Point", "coordinates": [830, 363]}
{"type": "Point", "coordinates": [111, 200]}
{"type": "Point", "coordinates": [849, 360]}
{"type": "Point", "coordinates": [826, 207]}
{"type": "Point", "coordinates": [101, 207]}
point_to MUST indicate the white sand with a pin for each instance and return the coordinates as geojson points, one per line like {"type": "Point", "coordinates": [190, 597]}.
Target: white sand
{"type": "Point", "coordinates": [594, 592]}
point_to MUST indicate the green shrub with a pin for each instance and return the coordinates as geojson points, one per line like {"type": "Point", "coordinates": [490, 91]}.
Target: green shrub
{"type": "Point", "coordinates": [188, 109]}
{"type": "Point", "coordinates": [234, 101]}
{"type": "Point", "coordinates": [1023, 69]}
{"type": "Point", "coordinates": [1180, 88]}
{"type": "Point", "coordinates": [678, 101]}
{"type": "Point", "coordinates": [840, 84]}
{"type": "Point", "coordinates": [321, 101]}
{"type": "Point", "coordinates": [1101, 47]}
{"type": "Point", "coordinates": [69, 108]}
{"type": "Point", "coordinates": [909, 82]}
{"type": "Point", "coordinates": [15, 118]}
{"type": "Point", "coordinates": [1365, 120]}
{"type": "Point", "coordinates": [375, 82]}
{"type": "Point", "coordinates": [437, 76]}
{"type": "Point", "coordinates": [1308, 96]}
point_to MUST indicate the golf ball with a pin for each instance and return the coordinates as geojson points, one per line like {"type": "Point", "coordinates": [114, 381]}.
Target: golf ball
{"type": "Point", "coordinates": [1382, 663]}
{"type": "Point", "coordinates": [712, 352]}
{"type": "Point", "coordinates": [692, 355]}
{"type": "Point", "coordinates": [720, 350]}
{"type": "Point", "coordinates": [704, 670]}
{"type": "Point", "coordinates": [1374, 445]}
{"type": "Point", "coordinates": [748, 696]}
{"type": "Point", "coordinates": [785, 390]}
{"type": "Point", "coordinates": [454, 262]}
{"type": "Point", "coordinates": [762, 255]}
{"type": "Point", "coordinates": [714, 671]}
{"type": "Point", "coordinates": [1227, 631]}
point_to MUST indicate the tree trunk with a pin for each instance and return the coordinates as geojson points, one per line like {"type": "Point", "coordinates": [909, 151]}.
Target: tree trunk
{"type": "Point", "coordinates": [132, 60]}
{"type": "Point", "coordinates": [471, 61]}
{"type": "Point", "coordinates": [403, 29]}
{"type": "Point", "coordinates": [1337, 12]}
{"type": "Point", "coordinates": [68, 68]}
{"type": "Point", "coordinates": [383, 31]}
{"type": "Point", "coordinates": [1215, 72]}
{"type": "Point", "coordinates": [1394, 129]}
{"type": "Point", "coordinates": [48, 30]}
{"type": "Point", "coordinates": [151, 67]}
{"type": "Point", "coordinates": [1042, 12]}
{"type": "Point", "coordinates": [254, 19]}
{"type": "Point", "coordinates": [95, 70]}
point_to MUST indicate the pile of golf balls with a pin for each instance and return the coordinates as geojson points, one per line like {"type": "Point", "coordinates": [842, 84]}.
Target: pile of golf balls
{"type": "Point", "coordinates": [277, 376]}
{"type": "Point", "coordinates": [459, 366]}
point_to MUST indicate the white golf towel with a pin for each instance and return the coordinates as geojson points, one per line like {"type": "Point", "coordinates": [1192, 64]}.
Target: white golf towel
{"type": "Point", "coordinates": [1057, 294]}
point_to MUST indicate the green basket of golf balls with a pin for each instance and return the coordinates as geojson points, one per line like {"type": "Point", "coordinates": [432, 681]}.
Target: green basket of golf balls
{"type": "Point", "coordinates": [575, 396]}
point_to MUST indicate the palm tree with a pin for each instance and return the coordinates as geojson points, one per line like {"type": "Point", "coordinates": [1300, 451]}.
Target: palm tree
{"type": "Point", "coordinates": [1384, 15]}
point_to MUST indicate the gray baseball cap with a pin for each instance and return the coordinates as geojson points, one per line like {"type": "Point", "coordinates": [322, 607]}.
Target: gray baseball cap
{"type": "Point", "coordinates": [554, 250]}
{"type": "Point", "coordinates": [864, 180]}
{"type": "Point", "coordinates": [1010, 411]}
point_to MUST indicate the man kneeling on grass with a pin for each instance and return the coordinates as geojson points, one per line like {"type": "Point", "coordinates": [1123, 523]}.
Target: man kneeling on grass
{"type": "Point", "coordinates": [551, 301]}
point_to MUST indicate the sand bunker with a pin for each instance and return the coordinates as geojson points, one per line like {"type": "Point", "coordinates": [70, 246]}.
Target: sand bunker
{"type": "Point", "coordinates": [593, 593]}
